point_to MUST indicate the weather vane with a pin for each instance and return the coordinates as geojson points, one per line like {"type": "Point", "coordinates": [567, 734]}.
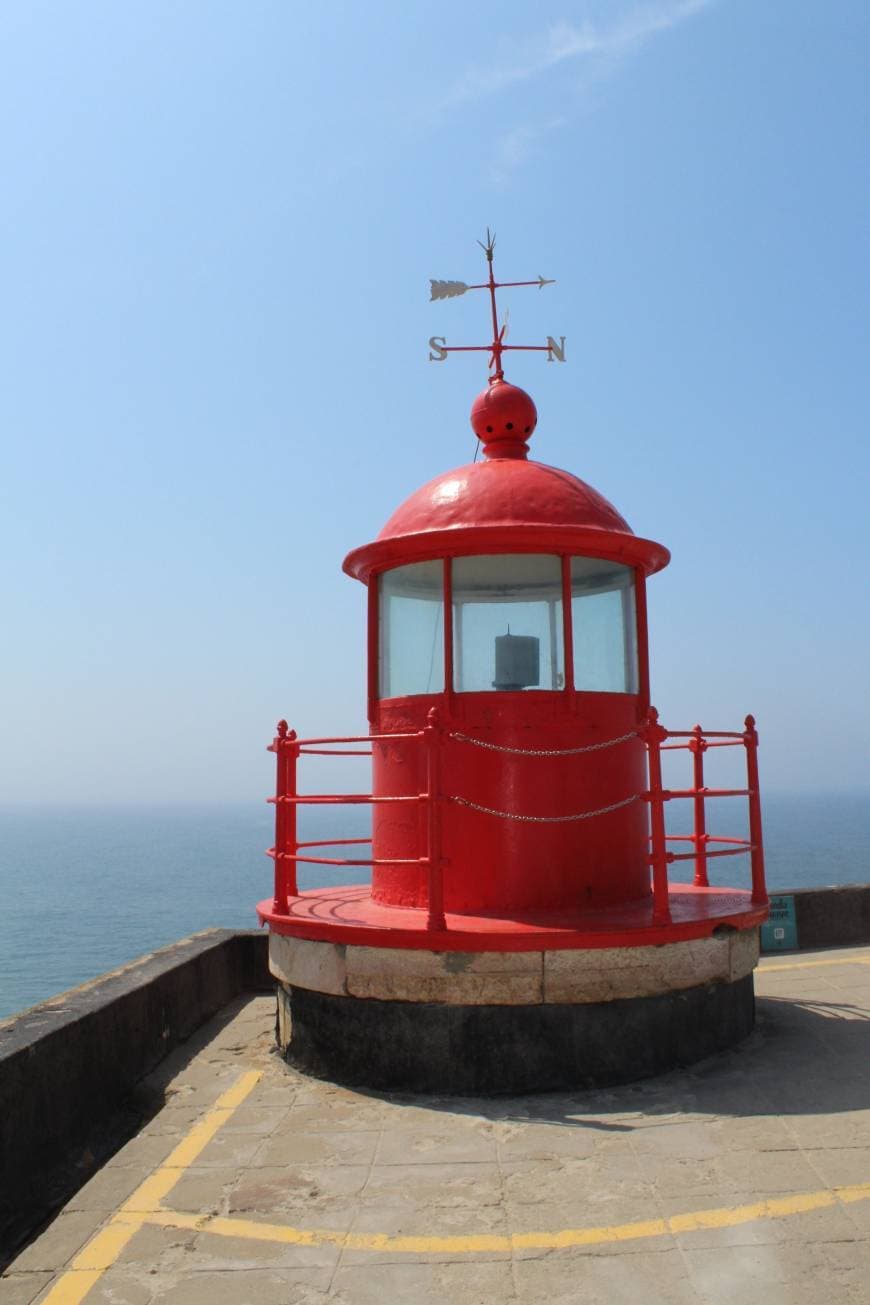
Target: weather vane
{"type": "Point", "coordinates": [438, 346]}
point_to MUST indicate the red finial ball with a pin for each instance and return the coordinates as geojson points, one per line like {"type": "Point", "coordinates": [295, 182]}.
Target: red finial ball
{"type": "Point", "coordinates": [503, 417]}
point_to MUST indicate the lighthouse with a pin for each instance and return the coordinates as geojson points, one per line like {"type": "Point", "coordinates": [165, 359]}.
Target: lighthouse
{"type": "Point", "coordinates": [525, 927]}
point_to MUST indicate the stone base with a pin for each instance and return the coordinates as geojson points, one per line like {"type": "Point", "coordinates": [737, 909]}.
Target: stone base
{"type": "Point", "coordinates": [447, 1048]}
{"type": "Point", "coordinates": [505, 978]}
{"type": "Point", "coordinates": [509, 1022]}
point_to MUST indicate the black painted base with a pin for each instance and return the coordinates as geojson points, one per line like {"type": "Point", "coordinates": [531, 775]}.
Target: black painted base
{"type": "Point", "coordinates": [423, 1047]}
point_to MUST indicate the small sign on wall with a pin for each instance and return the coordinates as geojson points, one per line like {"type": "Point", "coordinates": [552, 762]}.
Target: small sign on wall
{"type": "Point", "coordinates": [780, 934]}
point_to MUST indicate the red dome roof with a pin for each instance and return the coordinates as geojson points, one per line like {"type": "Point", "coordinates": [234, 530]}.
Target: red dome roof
{"type": "Point", "coordinates": [504, 505]}
{"type": "Point", "coordinates": [503, 492]}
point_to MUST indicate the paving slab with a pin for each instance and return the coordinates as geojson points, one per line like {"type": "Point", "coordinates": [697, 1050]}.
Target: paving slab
{"type": "Point", "coordinates": [18, 1288]}
{"type": "Point", "coordinates": [746, 1177]}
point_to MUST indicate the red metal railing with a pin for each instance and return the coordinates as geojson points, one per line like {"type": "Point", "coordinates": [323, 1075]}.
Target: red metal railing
{"type": "Point", "coordinates": [288, 852]}
{"type": "Point", "coordinates": [698, 742]}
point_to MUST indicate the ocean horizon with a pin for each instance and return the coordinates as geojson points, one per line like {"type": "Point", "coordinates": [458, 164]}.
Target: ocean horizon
{"type": "Point", "coordinates": [86, 888]}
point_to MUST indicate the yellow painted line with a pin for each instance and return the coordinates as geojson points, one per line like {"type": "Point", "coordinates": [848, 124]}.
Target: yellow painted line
{"type": "Point", "coordinates": [91, 1263]}
{"type": "Point", "coordinates": [101, 1252]}
{"type": "Point", "coordinates": [722, 1217]}
{"type": "Point", "coordinates": [809, 965]}
{"type": "Point", "coordinates": [148, 1196]}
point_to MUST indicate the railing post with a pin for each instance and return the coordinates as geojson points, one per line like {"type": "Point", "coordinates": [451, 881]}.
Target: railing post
{"type": "Point", "coordinates": [750, 739]}
{"type": "Point", "coordinates": [697, 747]}
{"type": "Point", "coordinates": [286, 750]}
{"type": "Point", "coordinates": [654, 735]}
{"type": "Point", "coordinates": [432, 738]}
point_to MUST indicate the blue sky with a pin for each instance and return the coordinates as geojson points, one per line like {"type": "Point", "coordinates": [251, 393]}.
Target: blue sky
{"type": "Point", "coordinates": [217, 225]}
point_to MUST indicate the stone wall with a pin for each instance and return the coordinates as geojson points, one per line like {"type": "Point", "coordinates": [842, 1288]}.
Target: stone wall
{"type": "Point", "coordinates": [68, 1065]}
{"type": "Point", "coordinates": [838, 916]}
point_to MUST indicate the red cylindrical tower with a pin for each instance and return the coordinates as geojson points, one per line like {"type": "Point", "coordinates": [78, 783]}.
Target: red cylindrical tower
{"type": "Point", "coordinates": [511, 596]}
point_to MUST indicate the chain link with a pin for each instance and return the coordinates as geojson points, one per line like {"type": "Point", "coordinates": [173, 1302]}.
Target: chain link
{"type": "Point", "coordinates": [544, 752]}
{"type": "Point", "coordinates": [546, 820]}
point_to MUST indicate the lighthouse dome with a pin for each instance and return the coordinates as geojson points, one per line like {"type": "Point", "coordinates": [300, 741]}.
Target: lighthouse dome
{"type": "Point", "coordinates": [507, 493]}
{"type": "Point", "coordinates": [505, 503]}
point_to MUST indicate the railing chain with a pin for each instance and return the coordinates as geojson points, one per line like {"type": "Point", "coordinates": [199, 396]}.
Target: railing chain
{"type": "Point", "coordinates": [546, 820]}
{"type": "Point", "coordinates": [544, 752]}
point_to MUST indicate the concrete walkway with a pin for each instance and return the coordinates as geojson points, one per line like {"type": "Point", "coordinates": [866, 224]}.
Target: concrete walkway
{"type": "Point", "coordinates": [744, 1179]}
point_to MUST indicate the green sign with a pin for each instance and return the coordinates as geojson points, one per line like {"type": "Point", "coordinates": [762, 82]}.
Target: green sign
{"type": "Point", "coordinates": [780, 932]}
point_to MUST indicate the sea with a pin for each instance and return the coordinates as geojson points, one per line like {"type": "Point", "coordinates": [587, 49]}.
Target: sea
{"type": "Point", "coordinates": [84, 889]}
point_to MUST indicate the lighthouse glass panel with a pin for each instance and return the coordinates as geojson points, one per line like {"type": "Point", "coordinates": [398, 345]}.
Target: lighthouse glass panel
{"type": "Point", "coordinates": [604, 625]}
{"type": "Point", "coordinates": [507, 623]}
{"type": "Point", "coordinates": [411, 630]}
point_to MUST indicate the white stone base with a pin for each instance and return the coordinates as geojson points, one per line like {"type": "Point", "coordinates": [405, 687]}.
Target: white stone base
{"type": "Point", "coordinates": [511, 978]}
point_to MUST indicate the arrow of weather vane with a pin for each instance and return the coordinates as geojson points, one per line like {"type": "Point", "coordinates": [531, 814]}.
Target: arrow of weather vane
{"type": "Point", "coordinates": [438, 346]}
{"type": "Point", "coordinates": [450, 289]}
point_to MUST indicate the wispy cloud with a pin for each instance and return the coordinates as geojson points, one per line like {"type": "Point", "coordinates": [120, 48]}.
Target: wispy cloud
{"type": "Point", "coordinates": [598, 50]}
{"type": "Point", "coordinates": [518, 61]}
{"type": "Point", "coordinates": [512, 149]}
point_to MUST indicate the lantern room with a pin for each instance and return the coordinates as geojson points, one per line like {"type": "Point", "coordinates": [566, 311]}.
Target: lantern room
{"type": "Point", "coordinates": [509, 630]}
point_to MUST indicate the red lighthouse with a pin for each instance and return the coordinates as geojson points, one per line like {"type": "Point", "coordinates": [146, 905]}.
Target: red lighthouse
{"type": "Point", "coordinates": [520, 930]}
